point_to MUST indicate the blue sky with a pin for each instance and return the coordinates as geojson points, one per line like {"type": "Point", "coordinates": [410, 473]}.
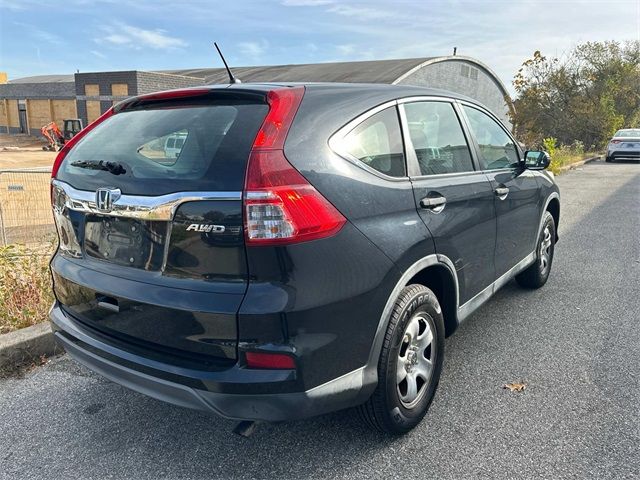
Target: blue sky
{"type": "Point", "coordinates": [94, 35]}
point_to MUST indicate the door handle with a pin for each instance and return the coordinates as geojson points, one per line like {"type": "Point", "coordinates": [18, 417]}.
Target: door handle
{"type": "Point", "coordinates": [434, 204]}
{"type": "Point", "coordinates": [501, 192]}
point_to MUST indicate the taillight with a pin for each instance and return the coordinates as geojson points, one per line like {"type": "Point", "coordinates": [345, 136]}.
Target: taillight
{"type": "Point", "coordinates": [68, 145]}
{"type": "Point", "coordinates": [277, 361]}
{"type": "Point", "coordinates": [281, 206]}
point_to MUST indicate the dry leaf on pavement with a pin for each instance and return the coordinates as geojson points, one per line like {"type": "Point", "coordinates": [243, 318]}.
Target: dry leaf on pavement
{"type": "Point", "coordinates": [515, 387]}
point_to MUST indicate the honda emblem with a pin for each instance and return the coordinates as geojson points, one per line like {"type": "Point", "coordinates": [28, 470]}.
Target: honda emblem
{"type": "Point", "coordinates": [105, 197]}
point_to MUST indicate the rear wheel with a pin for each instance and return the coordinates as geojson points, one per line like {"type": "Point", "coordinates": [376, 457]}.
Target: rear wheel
{"type": "Point", "coordinates": [410, 363]}
{"type": "Point", "coordinates": [537, 274]}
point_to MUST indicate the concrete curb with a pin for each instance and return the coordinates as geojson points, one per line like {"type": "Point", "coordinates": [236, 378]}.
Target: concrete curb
{"type": "Point", "coordinates": [578, 164]}
{"type": "Point", "coordinates": [26, 346]}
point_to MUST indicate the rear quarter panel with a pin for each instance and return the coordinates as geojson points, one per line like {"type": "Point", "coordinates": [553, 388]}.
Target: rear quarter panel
{"type": "Point", "coordinates": [383, 210]}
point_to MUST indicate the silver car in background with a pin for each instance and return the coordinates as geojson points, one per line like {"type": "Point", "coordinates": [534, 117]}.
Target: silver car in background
{"type": "Point", "coordinates": [625, 145]}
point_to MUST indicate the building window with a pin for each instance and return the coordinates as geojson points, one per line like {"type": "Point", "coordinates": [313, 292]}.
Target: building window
{"type": "Point", "coordinates": [469, 72]}
{"type": "Point", "coordinates": [91, 90]}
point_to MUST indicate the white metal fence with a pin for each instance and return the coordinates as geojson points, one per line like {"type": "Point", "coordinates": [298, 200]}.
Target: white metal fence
{"type": "Point", "coordinates": [25, 206]}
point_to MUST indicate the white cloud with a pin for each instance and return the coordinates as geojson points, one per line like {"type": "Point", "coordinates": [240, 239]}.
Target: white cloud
{"type": "Point", "coordinates": [253, 49]}
{"type": "Point", "coordinates": [364, 13]}
{"type": "Point", "coordinates": [154, 38]}
{"type": "Point", "coordinates": [39, 34]}
{"type": "Point", "coordinates": [346, 49]}
{"type": "Point", "coordinates": [13, 5]}
{"type": "Point", "coordinates": [306, 3]}
{"type": "Point", "coordinates": [136, 37]}
{"type": "Point", "coordinates": [118, 39]}
{"type": "Point", "coordinates": [98, 54]}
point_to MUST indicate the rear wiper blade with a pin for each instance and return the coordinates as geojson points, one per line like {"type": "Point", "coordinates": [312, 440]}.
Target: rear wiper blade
{"type": "Point", "coordinates": [111, 167]}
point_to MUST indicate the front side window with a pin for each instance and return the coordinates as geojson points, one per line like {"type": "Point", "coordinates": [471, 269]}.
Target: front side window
{"type": "Point", "coordinates": [497, 150]}
{"type": "Point", "coordinates": [377, 142]}
{"type": "Point", "coordinates": [437, 138]}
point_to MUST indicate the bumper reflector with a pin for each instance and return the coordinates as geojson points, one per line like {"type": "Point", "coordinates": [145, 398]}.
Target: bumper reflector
{"type": "Point", "coordinates": [275, 361]}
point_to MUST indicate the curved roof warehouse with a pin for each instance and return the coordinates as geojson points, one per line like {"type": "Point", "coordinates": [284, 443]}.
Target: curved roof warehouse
{"type": "Point", "coordinates": [27, 104]}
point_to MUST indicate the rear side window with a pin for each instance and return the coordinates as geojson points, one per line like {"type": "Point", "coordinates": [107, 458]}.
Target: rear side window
{"type": "Point", "coordinates": [437, 138]}
{"type": "Point", "coordinates": [377, 142]}
{"type": "Point", "coordinates": [168, 148]}
{"type": "Point", "coordinates": [496, 147]}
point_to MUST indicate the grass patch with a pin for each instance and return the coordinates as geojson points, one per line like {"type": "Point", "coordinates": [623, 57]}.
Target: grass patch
{"type": "Point", "coordinates": [564, 155]}
{"type": "Point", "coordinates": [25, 285]}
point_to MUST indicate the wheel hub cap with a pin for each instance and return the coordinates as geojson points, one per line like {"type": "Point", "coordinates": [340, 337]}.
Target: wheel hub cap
{"type": "Point", "coordinates": [545, 250]}
{"type": "Point", "coordinates": [412, 359]}
{"type": "Point", "coordinates": [416, 359]}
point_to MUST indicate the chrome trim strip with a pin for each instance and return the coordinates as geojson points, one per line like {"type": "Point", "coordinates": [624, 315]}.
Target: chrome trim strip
{"type": "Point", "coordinates": [162, 207]}
{"type": "Point", "coordinates": [483, 109]}
{"type": "Point", "coordinates": [426, 98]}
{"type": "Point", "coordinates": [338, 136]}
{"type": "Point", "coordinates": [473, 304]}
{"type": "Point", "coordinates": [361, 118]}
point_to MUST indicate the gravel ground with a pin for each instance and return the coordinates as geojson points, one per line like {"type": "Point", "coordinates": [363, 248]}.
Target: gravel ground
{"type": "Point", "coordinates": [23, 151]}
{"type": "Point", "coordinates": [576, 343]}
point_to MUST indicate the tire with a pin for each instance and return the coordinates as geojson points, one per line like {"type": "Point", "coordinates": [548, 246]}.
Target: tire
{"type": "Point", "coordinates": [408, 352]}
{"type": "Point", "coordinates": [537, 274]}
{"type": "Point", "coordinates": [608, 159]}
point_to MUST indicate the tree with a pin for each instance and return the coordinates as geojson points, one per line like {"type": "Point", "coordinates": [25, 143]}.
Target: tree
{"type": "Point", "coordinates": [585, 96]}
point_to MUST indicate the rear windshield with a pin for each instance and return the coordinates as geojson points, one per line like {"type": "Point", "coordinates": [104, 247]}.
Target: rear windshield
{"type": "Point", "coordinates": [168, 148]}
{"type": "Point", "coordinates": [628, 133]}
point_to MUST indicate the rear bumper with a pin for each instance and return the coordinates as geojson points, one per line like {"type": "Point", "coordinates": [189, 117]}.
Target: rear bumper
{"type": "Point", "coordinates": [207, 390]}
{"type": "Point", "coordinates": [623, 154]}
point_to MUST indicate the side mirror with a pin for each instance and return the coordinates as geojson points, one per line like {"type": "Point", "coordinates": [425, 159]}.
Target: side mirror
{"type": "Point", "coordinates": [536, 160]}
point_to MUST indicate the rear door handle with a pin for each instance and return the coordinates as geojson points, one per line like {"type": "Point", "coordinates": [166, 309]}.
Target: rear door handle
{"type": "Point", "coordinates": [434, 204]}
{"type": "Point", "coordinates": [502, 192]}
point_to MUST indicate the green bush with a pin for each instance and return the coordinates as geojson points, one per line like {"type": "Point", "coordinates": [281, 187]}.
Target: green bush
{"type": "Point", "coordinates": [25, 286]}
{"type": "Point", "coordinates": [550, 145]}
{"type": "Point", "coordinates": [587, 94]}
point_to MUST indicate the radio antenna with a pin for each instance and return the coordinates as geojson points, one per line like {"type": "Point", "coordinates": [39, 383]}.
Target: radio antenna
{"type": "Point", "coordinates": [232, 79]}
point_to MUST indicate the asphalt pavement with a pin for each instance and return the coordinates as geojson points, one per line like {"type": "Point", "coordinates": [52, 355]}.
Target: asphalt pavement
{"type": "Point", "coordinates": [575, 343]}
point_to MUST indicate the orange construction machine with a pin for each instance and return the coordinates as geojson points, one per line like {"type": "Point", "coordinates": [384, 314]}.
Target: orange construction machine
{"type": "Point", "coordinates": [56, 137]}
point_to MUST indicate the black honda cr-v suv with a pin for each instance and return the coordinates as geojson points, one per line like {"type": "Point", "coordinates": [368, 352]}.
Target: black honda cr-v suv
{"type": "Point", "coordinates": [277, 251]}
